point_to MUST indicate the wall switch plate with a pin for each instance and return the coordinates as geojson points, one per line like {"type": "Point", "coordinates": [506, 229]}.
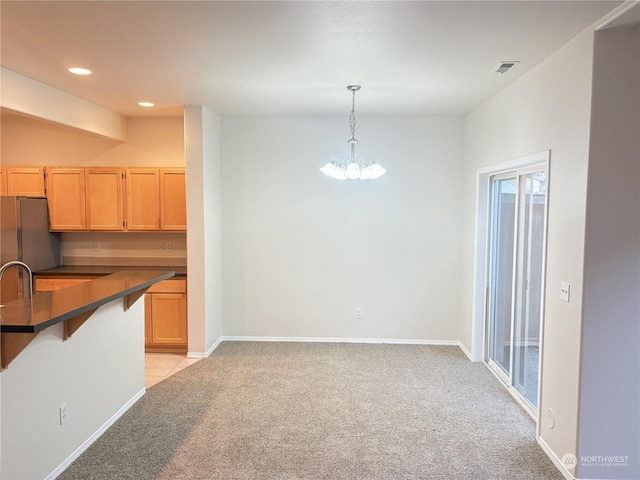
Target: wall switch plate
{"type": "Point", "coordinates": [63, 413]}
{"type": "Point", "coordinates": [565, 289]}
{"type": "Point", "coordinates": [358, 313]}
{"type": "Point", "coordinates": [96, 245]}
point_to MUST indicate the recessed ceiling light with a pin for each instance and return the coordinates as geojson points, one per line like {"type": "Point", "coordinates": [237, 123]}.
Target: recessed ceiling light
{"type": "Point", "coordinates": [80, 71]}
{"type": "Point", "coordinates": [146, 104]}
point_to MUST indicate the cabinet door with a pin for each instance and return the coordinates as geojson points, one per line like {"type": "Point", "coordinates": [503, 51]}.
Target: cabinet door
{"type": "Point", "coordinates": [147, 319]}
{"type": "Point", "coordinates": [104, 198]}
{"type": "Point", "coordinates": [143, 199]}
{"type": "Point", "coordinates": [169, 318]}
{"type": "Point", "coordinates": [66, 198]}
{"type": "Point", "coordinates": [27, 181]}
{"type": "Point", "coordinates": [173, 199]}
{"type": "Point", "coordinates": [3, 181]}
{"type": "Point", "coordinates": [51, 284]}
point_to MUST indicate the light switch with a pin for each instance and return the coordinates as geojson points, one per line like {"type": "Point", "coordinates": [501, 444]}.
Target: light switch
{"type": "Point", "coordinates": [564, 291]}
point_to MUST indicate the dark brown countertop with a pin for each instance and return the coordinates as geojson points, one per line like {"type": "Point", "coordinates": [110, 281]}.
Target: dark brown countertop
{"type": "Point", "coordinates": [30, 315]}
{"type": "Point", "coordinates": [100, 270]}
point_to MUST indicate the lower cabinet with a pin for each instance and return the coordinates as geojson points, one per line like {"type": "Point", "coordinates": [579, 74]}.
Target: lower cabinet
{"type": "Point", "coordinates": [165, 310]}
{"type": "Point", "coordinates": [166, 316]}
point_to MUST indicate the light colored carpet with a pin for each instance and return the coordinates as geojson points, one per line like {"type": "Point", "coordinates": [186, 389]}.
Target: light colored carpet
{"type": "Point", "coordinates": [322, 411]}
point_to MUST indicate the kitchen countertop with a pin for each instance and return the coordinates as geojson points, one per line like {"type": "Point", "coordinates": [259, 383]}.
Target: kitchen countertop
{"type": "Point", "coordinates": [100, 270]}
{"type": "Point", "coordinates": [31, 315]}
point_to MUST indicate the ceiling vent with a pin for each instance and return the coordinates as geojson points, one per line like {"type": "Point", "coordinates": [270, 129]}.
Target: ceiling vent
{"type": "Point", "coordinates": [504, 67]}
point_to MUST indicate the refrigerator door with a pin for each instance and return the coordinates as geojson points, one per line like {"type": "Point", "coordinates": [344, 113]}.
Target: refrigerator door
{"type": "Point", "coordinates": [39, 248]}
{"type": "Point", "coordinates": [25, 236]}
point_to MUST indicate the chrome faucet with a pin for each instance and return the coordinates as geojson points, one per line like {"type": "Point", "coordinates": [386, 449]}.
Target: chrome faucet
{"type": "Point", "coordinates": [22, 264]}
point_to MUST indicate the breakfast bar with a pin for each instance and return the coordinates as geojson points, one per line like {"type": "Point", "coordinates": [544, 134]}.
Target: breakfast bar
{"type": "Point", "coordinates": [21, 320]}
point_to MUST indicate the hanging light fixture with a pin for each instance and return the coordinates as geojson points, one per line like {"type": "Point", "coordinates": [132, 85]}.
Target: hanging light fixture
{"type": "Point", "coordinates": [353, 167]}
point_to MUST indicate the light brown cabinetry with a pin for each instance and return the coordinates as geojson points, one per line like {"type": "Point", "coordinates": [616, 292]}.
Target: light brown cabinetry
{"type": "Point", "coordinates": [166, 316]}
{"type": "Point", "coordinates": [3, 180]}
{"type": "Point", "coordinates": [85, 198]}
{"type": "Point", "coordinates": [104, 198]}
{"type": "Point", "coordinates": [52, 284]}
{"type": "Point", "coordinates": [24, 181]}
{"type": "Point", "coordinates": [173, 198]}
{"type": "Point", "coordinates": [156, 199]}
{"type": "Point", "coordinates": [143, 199]}
{"type": "Point", "coordinates": [165, 310]}
{"type": "Point", "coordinates": [66, 198]}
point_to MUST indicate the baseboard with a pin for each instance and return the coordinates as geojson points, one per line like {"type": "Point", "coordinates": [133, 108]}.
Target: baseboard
{"type": "Point", "coordinates": [244, 338]}
{"type": "Point", "coordinates": [87, 443]}
{"type": "Point", "coordinates": [465, 351]}
{"type": "Point", "coordinates": [208, 352]}
{"type": "Point", "coordinates": [556, 461]}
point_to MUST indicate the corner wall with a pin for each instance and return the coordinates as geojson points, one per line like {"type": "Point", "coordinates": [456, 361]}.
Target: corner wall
{"type": "Point", "coordinates": [548, 108]}
{"type": "Point", "coordinates": [202, 154]}
{"type": "Point", "coordinates": [609, 422]}
{"type": "Point", "coordinates": [302, 251]}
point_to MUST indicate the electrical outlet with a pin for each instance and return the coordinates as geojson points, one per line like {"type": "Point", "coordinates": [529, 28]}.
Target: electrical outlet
{"type": "Point", "coordinates": [167, 246]}
{"type": "Point", "coordinates": [358, 313]}
{"type": "Point", "coordinates": [565, 290]}
{"type": "Point", "coordinates": [63, 413]}
{"type": "Point", "coordinates": [96, 245]}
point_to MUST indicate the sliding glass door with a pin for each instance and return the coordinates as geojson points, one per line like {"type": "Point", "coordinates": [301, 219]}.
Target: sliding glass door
{"type": "Point", "coordinates": [516, 253]}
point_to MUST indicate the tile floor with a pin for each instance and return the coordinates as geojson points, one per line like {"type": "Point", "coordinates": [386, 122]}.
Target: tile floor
{"type": "Point", "coordinates": [158, 366]}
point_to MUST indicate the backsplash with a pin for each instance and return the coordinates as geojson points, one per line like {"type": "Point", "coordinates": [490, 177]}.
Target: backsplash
{"type": "Point", "coordinates": [124, 248]}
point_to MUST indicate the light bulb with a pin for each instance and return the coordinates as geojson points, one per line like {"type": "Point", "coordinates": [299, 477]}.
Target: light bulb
{"type": "Point", "coordinates": [329, 168]}
{"type": "Point", "coordinates": [339, 174]}
{"type": "Point", "coordinates": [353, 171]}
{"type": "Point", "coordinates": [377, 171]}
{"type": "Point", "coordinates": [365, 172]}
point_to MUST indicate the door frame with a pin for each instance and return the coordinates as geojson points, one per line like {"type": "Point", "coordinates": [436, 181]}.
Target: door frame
{"type": "Point", "coordinates": [481, 258]}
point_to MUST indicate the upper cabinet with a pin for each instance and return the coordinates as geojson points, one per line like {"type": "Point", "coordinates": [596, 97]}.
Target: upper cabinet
{"type": "Point", "coordinates": [24, 181]}
{"type": "Point", "coordinates": [173, 199]}
{"type": "Point", "coordinates": [143, 199]}
{"type": "Point", "coordinates": [116, 199]}
{"type": "Point", "coordinates": [103, 198]}
{"type": "Point", "coordinates": [66, 198]}
{"type": "Point", "coordinates": [156, 199]}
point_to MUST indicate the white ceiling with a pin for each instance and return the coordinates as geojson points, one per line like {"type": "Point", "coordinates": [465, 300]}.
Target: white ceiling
{"type": "Point", "coordinates": [287, 58]}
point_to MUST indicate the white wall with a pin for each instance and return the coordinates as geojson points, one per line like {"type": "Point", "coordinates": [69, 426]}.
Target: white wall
{"type": "Point", "coordinates": [302, 251]}
{"type": "Point", "coordinates": [548, 108]}
{"type": "Point", "coordinates": [609, 383]}
{"type": "Point", "coordinates": [202, 153]}
{"type": "Point", "coordinates": [96, 372]}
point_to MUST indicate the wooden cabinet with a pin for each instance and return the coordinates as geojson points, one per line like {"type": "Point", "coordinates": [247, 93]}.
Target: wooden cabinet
{"type": "Point", "coordinates": [143, 199]}
{"type": "Point", "coordinates": [3, 180]}
{"type": "Point", "coordinates": [173, 199]}
{"type": "Point", "coordinates": [166, 316]}
{"type": "Point", "coordinates": [66, 198]}
{"type": "Point", "coordinates": [56, 283]}
{"type": "Point", "coordinates": [104, 198]}
{"type": "Point", "coordinates": [85, 198]}
{"type": "Point", "coordinates": [165, 310]}
{"type": "Point", "coordinates": [156, 199]}
{"type": "Point", "coordinates": [25, 181]}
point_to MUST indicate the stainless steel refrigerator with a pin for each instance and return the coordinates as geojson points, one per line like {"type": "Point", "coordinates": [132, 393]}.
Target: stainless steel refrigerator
{"type": "Point", "coordinates": [25, 236]}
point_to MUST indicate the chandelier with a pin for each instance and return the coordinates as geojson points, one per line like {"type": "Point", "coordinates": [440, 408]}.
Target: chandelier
{"type": "Point", "coordinates": [353, 167]}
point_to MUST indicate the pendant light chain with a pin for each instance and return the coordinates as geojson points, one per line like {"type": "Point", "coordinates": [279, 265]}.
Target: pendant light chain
{"type": "Point", "coordinates": [352, 118]}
